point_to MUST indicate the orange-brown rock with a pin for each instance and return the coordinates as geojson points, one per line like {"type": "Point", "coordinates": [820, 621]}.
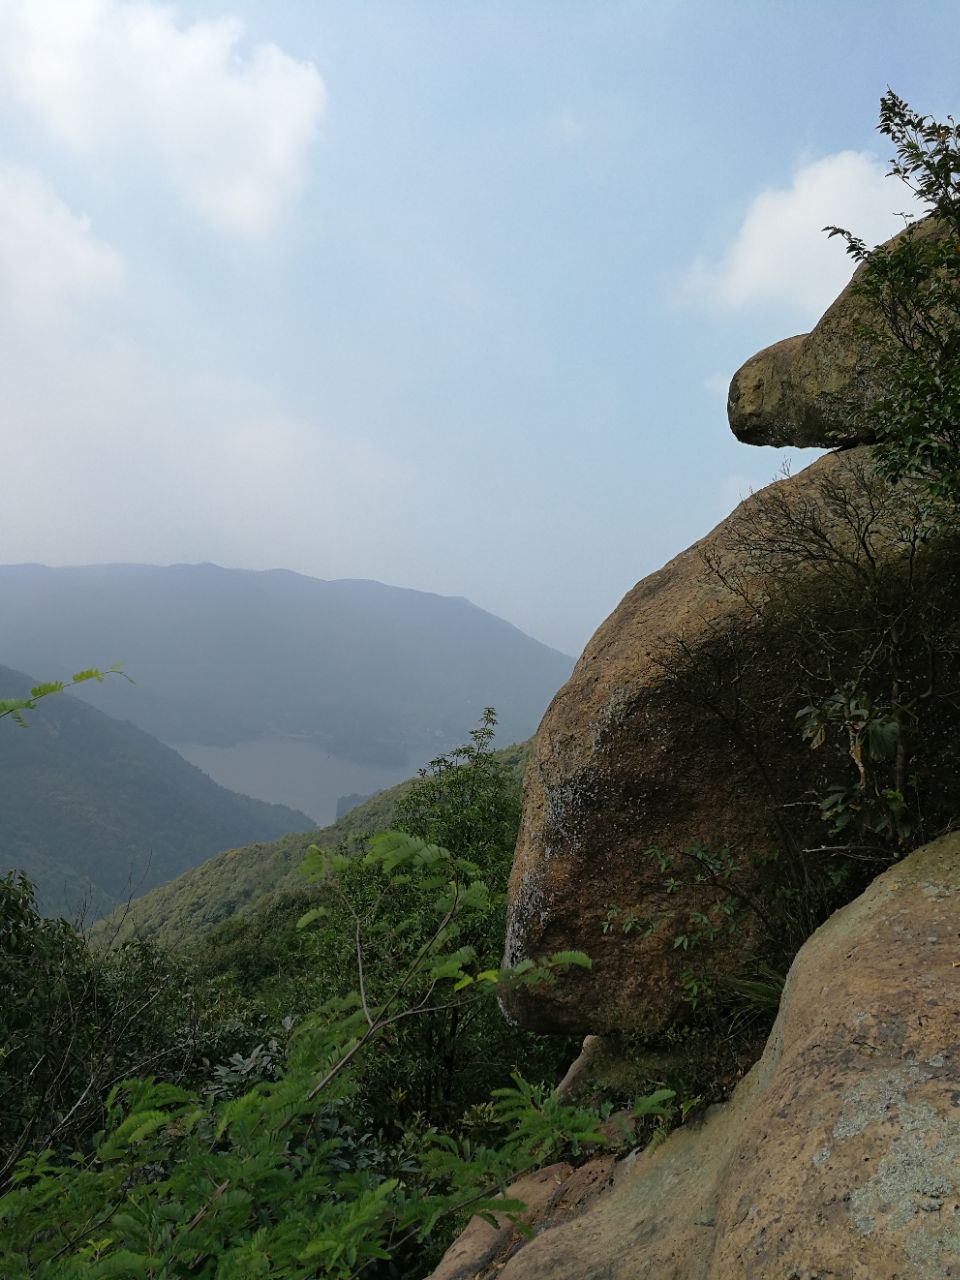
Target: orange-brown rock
{"type": "Point", "coordinates": [807, 391]}
{"type": "Point", "coordinates": [622, 762]}
{"type": "Point", "coordinates": [839, 1154]}
{"type": "Point", "coordinates": [551, 1196]}
{"type": "Point", "coordinates": [811, 390]}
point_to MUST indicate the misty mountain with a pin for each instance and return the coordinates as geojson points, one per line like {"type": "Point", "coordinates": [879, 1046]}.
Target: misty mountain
{"type": "Point", "coordinates": [95, 809]}
{"type": "Point", "coordinates": [376, 674]}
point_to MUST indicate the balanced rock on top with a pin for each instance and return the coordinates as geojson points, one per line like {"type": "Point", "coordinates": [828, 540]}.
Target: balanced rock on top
{"type": "Point", "coordinates": [807, 391]}
{"type": "Point", "coordinates": [810, 391]}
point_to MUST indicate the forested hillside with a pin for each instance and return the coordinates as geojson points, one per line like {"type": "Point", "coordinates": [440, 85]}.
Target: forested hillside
{"type": "Point", "coordinates": [94, 809]}
{"type": "Point", "coordinates": [236, 883]}
{"type": "Point", "coordinates": [398, 950]}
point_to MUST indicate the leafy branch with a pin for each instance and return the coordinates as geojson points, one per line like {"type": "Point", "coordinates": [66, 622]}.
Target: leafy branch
{"type": "Point", "coordinates": [15, 707]}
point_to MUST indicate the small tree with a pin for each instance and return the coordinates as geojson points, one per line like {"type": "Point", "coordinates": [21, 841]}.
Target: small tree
{"type": "Point", "coordinates": [914, 286]}
{"type": "Point", "coordinates": [441, 1064]}
{"type": "Point", "coordinates": [846, 638]}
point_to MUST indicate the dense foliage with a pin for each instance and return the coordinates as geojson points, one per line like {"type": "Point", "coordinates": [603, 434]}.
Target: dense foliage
{"type": "Point", "coordinates": [385, 1105]}
{"type": "Point", "coordinates": [225, 895]}
{"type": "Point", "coordinates": [74, 1022]}
{"type": "Point", "coordinates": [436, 1065]}
{"type": "Point", "coordinates": [285, 1178]}
{"type": "Point", "coordinates": [914, 286]}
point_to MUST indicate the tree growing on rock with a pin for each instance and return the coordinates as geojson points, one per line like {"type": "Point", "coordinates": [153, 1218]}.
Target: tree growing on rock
{"type": "Point", "coordinates": [913, 284]}
{"type": "Point", "coordinates": [848, 640]}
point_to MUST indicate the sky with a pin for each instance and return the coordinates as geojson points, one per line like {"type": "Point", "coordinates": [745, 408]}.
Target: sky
{"type": "Point", "coordinates": [445, 293]}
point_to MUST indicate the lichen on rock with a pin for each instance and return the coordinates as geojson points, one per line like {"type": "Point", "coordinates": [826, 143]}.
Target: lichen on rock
{"type": "Point", "coordinates": [623, 762]}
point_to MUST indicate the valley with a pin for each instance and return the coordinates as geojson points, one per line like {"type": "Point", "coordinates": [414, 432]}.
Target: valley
{"type": "Point", "coordinates": [251, 704]}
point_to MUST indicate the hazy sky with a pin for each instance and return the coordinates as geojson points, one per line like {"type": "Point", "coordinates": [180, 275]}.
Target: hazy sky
{"type": "Point", "coordinates": [444, 294]}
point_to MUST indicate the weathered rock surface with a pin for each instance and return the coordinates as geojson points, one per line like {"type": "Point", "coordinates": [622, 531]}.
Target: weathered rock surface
{"type": "Point", "coordinates": [839, 1154]}
{"type": "Point", "coordinates": [551, 1196]}
{"type": "Point", "coordinates": [621, 763]}
{"type": "Point", "coordinates": [810, 390]}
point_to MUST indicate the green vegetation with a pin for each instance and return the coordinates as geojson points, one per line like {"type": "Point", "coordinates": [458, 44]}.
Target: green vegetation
{"type": "Point", "coordinates": [853, 637]}
{"type": "Point", "coordinates": [94, 809]}
{"type": "Point", "coordinates": [228, 891]}
{"type": "Point", "coordinates": [371, 925]}
{"type": "Point", "coordinates": [334, 1112]}
{"type": "Point", "coordinates": [749, 903]}
{"type": "Point", "coordinates": [838, 685]}
{"type": "Point", "coordinates": [15, 707]}
{"type": "Point", "coordinates": [285, 1177]}
{"type": "Point", "coordinates": [73, 1023]}
{"type": "Point", "coordinates": [914, 286]}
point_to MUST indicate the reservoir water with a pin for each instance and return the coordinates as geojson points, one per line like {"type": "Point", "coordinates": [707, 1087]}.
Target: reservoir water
{"type": "Point", "coordinates": [291, 771]}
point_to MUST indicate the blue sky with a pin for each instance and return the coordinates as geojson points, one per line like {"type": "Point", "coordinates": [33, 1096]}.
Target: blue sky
{"type": "Point", "coordinates": [444, 294]}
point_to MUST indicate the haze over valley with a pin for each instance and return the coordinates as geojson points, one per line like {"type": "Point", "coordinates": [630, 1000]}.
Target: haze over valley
{"type": "Point", "coordinates": [287, 688]}
{"type": "Point", "coordinates": [294, 771]}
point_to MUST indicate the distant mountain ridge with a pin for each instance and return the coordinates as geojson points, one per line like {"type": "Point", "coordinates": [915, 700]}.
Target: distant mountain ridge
{"type": "Point", "coordinates": [377, 674]}
{"type": "Point", "coordinates": [94, 809]}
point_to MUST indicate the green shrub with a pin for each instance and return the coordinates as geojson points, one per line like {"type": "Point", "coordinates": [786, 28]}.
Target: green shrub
{"type": "Point", "coordinates": [288, 1179]}
{"type": "Point", "coordinates": [914, 286]}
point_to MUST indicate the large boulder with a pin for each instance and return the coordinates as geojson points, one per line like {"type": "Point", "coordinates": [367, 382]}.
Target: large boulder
{"type": "Point", "coordinates": [624, 761]}
{"type": "Point", "coordinates": [839, 1154]}
{"type": "Point", "coordinates": [810, 390]}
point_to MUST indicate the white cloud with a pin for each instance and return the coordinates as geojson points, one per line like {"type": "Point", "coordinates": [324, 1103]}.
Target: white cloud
{"type": "Point", "coordinates": [48, 255]}
{"type": "Point", "coordinates": [228, 128]}
{"type": "Point", "coordinates": [569, 127]}
{"type": "Point", "coordinates": [782, 257]}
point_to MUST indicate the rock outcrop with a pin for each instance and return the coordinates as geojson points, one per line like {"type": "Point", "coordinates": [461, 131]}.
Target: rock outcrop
{"type": "Point", "coordinates": [839, 1154]}
{"type": "Point", "coordinates": [552, 1196]}
{"type": "Point", "coordinates": [810, 391]}
{"type": "Point", "coordinates": [624, 761]}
